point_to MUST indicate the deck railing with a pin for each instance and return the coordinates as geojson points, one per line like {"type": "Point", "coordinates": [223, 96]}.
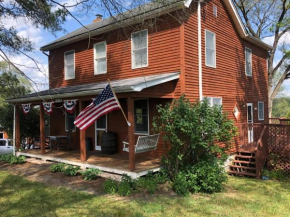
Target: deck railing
{"type": "Point", "coordinates": [247, 139]}
{"type": "Point", "coordinates": [283, 121]}
{"type": "Point", "coordinates": [261, 151]}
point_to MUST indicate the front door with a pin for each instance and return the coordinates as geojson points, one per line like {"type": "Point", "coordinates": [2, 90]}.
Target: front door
{"type": "Point", "coordinates": [250, 122]}
{"type": "Point", "coordinates": [101, 127]}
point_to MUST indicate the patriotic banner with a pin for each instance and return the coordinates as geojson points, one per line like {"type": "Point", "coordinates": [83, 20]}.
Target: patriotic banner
{"type": "Point", "coordinates": [26, 108]}
{"type": "Point", "coordinates": [69, 105]}
{"type": "Point", "coordinates": [103, 104]}
{"type": "Point", "coordinates": [48, 107]}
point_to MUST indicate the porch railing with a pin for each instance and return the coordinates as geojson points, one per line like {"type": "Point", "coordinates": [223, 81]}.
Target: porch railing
{"type": "Point", "coordinates": [261, 151]}
{"type": "Point", "coordinates": [249, 135]}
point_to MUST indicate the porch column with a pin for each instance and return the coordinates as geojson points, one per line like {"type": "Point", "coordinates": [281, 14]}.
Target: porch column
{"type": "Point", "coordinates": [17, 127]}
{"type": "Point", "coordinates": [83, 150]}
{"type": "Point", "coordinates": [42, 129]}
{"type": "Point", "coordinates": [131, 139]}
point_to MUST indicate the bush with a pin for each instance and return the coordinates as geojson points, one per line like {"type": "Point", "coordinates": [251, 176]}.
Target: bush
{"type": "Point", "coordinates": [17, 160]}
{"type": "Point", "coordinates": [59, 167]}
{"type": "Point", "coordinates": [8, 158]}
{"type": "Point", "coordinates": [71, 170]}
{"type": "Point", "coordinates": [124, 188]}
{"type": "Point", "coordinates": [110, 186]}
{"type": "Point", "coordinates": [91, 173]}
{"type": "Point", "coordinates": [147, 182]}
{"type": "Point", "coordinates": [193, 131]}
{"type": "Point", "coordinates": [277, 174]}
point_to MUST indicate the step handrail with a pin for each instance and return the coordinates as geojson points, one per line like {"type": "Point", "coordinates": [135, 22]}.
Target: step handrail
{"type": "Point", "coordinates": [261, 152]}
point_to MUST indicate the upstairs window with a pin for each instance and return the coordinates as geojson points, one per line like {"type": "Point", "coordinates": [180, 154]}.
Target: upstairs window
{"type": "Point", "coordinates": [100, 56]}
{"type": "Point", "coordinates": [140, 49]}
{"type": "Point", "coordinates": [69, 63]}
{"type": "Point", "coordinates": [210, 49]}
{"type": "Point", "coordinates": [215, 11]}
{"type": "Point", "coordinates": [248, 53]}
{"type": "Point", "coordinates": [141, 112]}
{"type": "Point", "coordinates": [261, 111]}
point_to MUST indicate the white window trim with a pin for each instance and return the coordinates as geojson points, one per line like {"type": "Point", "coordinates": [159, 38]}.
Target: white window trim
{"type": "Point", "coordinates": [132, 53]}
{"type": "Point", "coordinates": [261, 119]}
{"type": "Point", "coordinates": [65, 120]}
{"type": "Point", "coordinates": [65, 73]}
{"type": "Point", "coordinates": [252, 120]}
{"type": "Point", "coordinates": [214, 66]}
{"type": "Point", "coordinates": [95, 56]}
{"type": "Point", "coordinates": [249, 49]}
{"type": "Point", "coordinates": [140, 133]}
{"type": "Point", "coordinates": [211, 99]}
{"type": "Point", "coordinates": [215, 11]}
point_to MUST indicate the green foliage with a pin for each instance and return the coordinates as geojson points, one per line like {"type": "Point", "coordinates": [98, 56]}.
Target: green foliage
{"type": "Point", "coordinates": [59, 167]}
{"type": "Point", "coordinates": [193, 131]}
{"type": "Point", "coordinates": [91, 173]}
{"type": "Point", "coordinates": [148, 183]}
{"type": "Point", "coordinates": [281, 107]}
{"type": "Point", "coordinates": [277, 174]}
{"type": "Point", "coordinates": [124, 188]}
{"type": "Point", "coordinates": [9, 158]}
{"type": "Point", "coordinates": [71, 170]}
{"type": "Point", "coordinates": [110, 186]}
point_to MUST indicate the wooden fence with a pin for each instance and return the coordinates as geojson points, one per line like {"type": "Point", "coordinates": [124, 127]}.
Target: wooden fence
{"type": "Point", "coordinates": [279, 147]}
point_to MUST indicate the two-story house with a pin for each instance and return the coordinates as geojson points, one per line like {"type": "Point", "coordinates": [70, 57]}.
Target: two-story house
{"type": "Point", "coordinates": [152, 55]}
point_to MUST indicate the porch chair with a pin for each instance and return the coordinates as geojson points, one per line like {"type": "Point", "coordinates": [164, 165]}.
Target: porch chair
{"type": "Point", "coordinates": [144, 144]}
{"type": "Point", "coordinates": [63, 143]}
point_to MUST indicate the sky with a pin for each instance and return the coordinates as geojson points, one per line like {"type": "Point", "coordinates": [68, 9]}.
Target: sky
{"type": "Point", "coordinates": [40, 37]}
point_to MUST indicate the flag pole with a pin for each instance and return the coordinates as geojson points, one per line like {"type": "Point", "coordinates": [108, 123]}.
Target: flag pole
{"type": "Point", "coordinates": [129, 124]}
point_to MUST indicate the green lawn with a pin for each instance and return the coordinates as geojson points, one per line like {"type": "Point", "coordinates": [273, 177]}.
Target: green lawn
{"type": "Point", "coordinates": [243, 197]}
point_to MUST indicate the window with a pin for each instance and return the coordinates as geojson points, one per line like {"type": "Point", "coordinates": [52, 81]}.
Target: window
{"type": "Point", "coordinates": [140, 49]}
{"type": "Point", "coordinates": [215, 11]}
{"type": "Point", "coordinates": [236, 112]}
{"type": "Point", "coordinates": [69, 63]}
{"type": "Point", "coordinates": [248, 61]}
{"type": "Point", "coordinates": [210, 50]}
{"type": "Point", "coordinates": [141, 116]}
{"type": "Point", "coordinates": [1, 135]}
{"type": "Point", "coordinates": [261, 111]}
{"type": "Point", "coordinates": [69, 121]}
{"type": "Point", "coordinates": [214, 101]}
{"type": "Point", "coordinates": [2, 142]}
{"type": "Point", "coordinates": [100, 56]}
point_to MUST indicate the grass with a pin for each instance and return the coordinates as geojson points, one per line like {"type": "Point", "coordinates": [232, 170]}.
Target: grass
{"type": "Point", "coordinates": [243, 197]}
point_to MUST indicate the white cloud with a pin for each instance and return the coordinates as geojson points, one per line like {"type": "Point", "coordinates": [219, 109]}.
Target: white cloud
{"type": "Point", "coordinates": [284, 39]}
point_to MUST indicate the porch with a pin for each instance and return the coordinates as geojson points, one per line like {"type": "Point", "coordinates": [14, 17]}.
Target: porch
{"type": "Point", "coordinates": [116, 163]}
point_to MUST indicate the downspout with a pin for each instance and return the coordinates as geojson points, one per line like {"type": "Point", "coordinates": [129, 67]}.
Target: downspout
{"type": "Point", "coordinates": [14, 130]}
{"type": "Point", "coordinates": [199, 50]}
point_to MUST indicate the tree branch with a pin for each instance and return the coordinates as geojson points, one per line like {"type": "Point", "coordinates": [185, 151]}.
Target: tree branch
{"type": "Point", "coordinates": [280, 82]}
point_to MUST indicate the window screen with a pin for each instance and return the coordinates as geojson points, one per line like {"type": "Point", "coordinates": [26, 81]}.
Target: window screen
{"type": "Point", "coordinates": [210, 53]}
{"type": "Point", "coordinates": [69, 61]}
{"type": "Point", "coordinates": [139, 49]}
{"type": "Point", "coordinates": [100, 58]}
{"type": "Point", "coordinates": [141, 116]}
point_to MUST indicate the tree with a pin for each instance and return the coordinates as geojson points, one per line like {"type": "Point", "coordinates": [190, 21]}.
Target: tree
{"type": "Point", "coordinates": [11, 87]}
{"type": "Point", "coordinates": [270, 19]}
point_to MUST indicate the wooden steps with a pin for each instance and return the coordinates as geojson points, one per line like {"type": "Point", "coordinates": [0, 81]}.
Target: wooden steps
{"type": "Point", "coordinates": [244, 164]}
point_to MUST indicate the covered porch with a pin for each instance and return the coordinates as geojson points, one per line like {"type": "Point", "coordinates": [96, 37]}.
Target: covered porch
{"type": "Point", "coordinates": [149, 92]}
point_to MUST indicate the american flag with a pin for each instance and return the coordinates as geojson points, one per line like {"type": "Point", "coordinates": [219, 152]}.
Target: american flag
{"type": "Point", "coordinates": [103, 104]}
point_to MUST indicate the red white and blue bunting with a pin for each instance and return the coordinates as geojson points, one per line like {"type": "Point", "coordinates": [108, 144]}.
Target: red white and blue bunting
{"type": "Point", "coordinates": [69, 105]}
{"type": "Point", "coordinates": [48, 107]}
{"type": "Point", "coordinates": [26, 108]}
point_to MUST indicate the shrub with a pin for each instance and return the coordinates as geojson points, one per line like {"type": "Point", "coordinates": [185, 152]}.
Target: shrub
{"type": "Point", "coordinates": [9, 158]}
{"type": "Point", "coordinates": [17, 160]}
{"type": "Point", "coordinates": [147, 182]}
{"type": "Point", "coordinates": [124, 188]}
{"type": "Point", "coordinates": [59, 167]}
{"type": "Point", "coordinates": [71, 170]}
{"type": "Point", "coordinates": [194, 131]}
{"type": "Point", "coordinates": [110, 186]}
{"type": "Point", "coordinates": [91, 173]}
{"type": "Point", "coordinates": [277, 174]}
{"type": "Point", "coordinates": [126, 178]}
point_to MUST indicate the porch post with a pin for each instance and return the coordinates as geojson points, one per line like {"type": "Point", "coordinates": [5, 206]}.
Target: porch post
{"type": "Point", "coordinates": [17, 127]}
{"type": "Point", "coordinates": [83, 150]}
{"type": "Point", "coordinates": [131, 140]}
{"type": "Point", "coordinates": [42, 129]}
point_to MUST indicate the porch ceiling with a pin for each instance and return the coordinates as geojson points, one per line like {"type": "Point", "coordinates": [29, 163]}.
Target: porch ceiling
{"type": "Point", "coordinates": [135, 84]}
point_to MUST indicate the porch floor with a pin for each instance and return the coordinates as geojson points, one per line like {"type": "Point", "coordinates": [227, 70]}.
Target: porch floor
{"type": "Point", "coordinates": [116, 163]}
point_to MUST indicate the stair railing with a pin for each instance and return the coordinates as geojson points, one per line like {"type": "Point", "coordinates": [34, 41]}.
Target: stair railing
{"type": "Point", "coordinates": [261, 151]}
